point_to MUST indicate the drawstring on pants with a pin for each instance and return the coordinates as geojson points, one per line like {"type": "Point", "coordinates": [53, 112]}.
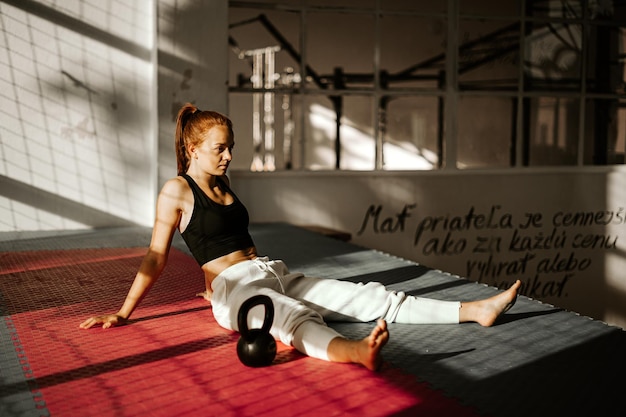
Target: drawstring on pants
{"type": "Point", "coordinates": [265, 267]}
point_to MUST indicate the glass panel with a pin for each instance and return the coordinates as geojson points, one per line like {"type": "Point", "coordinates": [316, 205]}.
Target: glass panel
{"type": "Point", "coordinates": [553, 57]}
{"type": "Point", "coordinates": [617, 146]}
{"type": "Point", "coordinates": [553, 131]}
{"type": "Point", "coordinates": [357, 142]}
{"type": "Point", "coordinates": [319, 133]}
{"type": "Point", "coordinates": [605, 125]}
{"type": "Point", "coordinates": [261, 42]}
{"type": "Point", "coordinates": [240, 112]}
{"type": "Point", "coordinates": [357, 4]}
{"type": "Point", "coordinates": [490, 8]}
{"type": "Point", "coordinates": [607, 10]}
{"type": "Point", "coordinates": [571, 9]}
{"type": "Point", "coordinates": [488, 54]}
{"type": "Point", "coordinates": [407, 59]}
{"type": "Point", "coordinates": [267, 2]}
{"type": "Point", "coordinates": [605, 56]}
{"type": "Point", "coordinates": [412, 129]}
{"type": "Point", "coordinates": [264, 141]}
{"type": "Point", "coordinates": [484, 132]}
{"type": "Point", "coordinates": [421, 6]}
{"type": "Point", "coordinates": [340, 48]}
{"type": "Point", "coordinates": [358, 148]}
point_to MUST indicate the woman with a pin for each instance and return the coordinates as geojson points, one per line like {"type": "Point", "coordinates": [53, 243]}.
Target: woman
{"type": "Point", "coordinates": [214, 224]}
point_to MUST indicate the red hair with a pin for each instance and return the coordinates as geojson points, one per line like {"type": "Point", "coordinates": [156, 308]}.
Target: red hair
{"type": "Point", "coordinates": [191, 123]}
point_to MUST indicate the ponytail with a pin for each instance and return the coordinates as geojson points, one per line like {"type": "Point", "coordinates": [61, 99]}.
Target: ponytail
{"type": "Point", "coordinates": [190, 124]}
{"type": "Point", "coordinates": [180, 145]}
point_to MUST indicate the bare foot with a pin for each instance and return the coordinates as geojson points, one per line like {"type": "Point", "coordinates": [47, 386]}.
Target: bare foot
{"type": "Point", "coordinates": [371, 356]}
{"type": "Point", "coordinates": [366, 351]}
{"type": "Point", "coordinates": [485, 312]}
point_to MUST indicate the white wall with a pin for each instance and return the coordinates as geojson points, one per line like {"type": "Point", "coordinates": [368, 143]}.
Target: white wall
{"type": "Point", "coordinates": [192, 57]}
{"type": "Point", "coordinates": [491, 227]}
{"type": "Point", "coordinates": [75, 114]}
{"type": "Point", "coordinates": [82, 143]}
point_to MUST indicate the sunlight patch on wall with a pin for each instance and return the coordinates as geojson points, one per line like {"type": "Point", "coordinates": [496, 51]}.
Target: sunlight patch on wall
{"type": "Point", "coordinates": [358, 147]}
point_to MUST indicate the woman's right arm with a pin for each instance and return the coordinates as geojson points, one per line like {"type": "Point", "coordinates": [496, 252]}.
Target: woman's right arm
{"type": "Point", "coordinates": [168, 213]}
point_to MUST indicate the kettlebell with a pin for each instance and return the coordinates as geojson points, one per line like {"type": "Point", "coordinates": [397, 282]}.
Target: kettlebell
{"type": "Point", "coordinates": [256, 347]}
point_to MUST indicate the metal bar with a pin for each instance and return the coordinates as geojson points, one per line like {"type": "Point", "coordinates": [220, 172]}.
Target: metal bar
{"type": "Point", "coordinates": [451, 97]}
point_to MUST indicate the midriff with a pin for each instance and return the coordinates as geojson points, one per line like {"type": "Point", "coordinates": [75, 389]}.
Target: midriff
{"type": "Point", "coordinates": [213, 268]}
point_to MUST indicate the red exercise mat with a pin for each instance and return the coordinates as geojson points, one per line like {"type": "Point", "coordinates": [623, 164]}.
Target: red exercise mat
{"type": "Point", "coordinates": [173, 359]}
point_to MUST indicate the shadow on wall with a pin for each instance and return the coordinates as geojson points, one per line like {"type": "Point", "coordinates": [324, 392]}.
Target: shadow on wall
{"type": "Point", "coordinates": [84, 155]}
{"type": "Point", "coordinates": [80, 118]}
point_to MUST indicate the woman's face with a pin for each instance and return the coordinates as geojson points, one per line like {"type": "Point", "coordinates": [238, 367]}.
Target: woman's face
{"type": "Point", "coordinates": [214, 153]}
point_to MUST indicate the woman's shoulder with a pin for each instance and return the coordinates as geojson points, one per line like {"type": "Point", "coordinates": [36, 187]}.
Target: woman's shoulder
{"type": "Point", "coordinates": [175, 187]}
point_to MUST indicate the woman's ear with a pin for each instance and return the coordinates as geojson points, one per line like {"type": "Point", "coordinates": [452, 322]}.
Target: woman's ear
{"type": "Point", "coordinates": [191, 150]}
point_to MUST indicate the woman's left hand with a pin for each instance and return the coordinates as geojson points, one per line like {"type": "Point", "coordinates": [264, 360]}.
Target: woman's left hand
{"type": "Point", "coordinates": [205, 294]}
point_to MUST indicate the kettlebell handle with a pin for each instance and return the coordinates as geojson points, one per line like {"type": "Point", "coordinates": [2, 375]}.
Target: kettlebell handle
{"type": "Point", "coordinates": [242, 317]}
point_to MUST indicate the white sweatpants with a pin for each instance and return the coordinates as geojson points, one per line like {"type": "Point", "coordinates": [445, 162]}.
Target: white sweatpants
{"type": "Point", "coordinates": [302, 304]}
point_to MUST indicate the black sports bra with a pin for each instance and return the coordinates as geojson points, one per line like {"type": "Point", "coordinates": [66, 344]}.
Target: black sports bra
{"type": "Point", "coordinates": [215, 229]}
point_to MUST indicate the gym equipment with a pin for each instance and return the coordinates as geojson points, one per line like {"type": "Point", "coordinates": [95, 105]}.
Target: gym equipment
{"type": "Point", "coordinates": [256, 347]}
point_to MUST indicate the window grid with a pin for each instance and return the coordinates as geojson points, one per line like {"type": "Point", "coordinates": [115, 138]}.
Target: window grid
{"type": "Point", "coordinates": [530, 15]}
